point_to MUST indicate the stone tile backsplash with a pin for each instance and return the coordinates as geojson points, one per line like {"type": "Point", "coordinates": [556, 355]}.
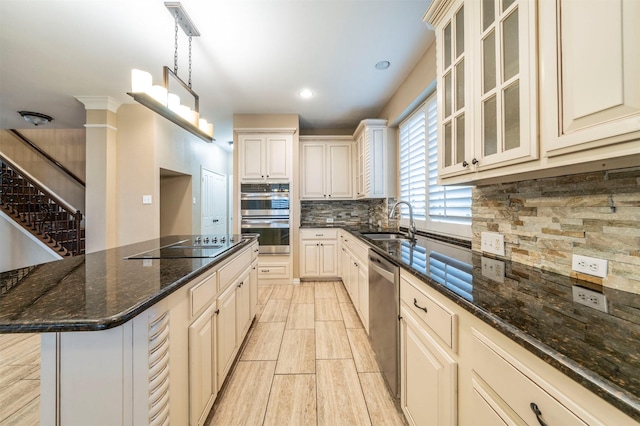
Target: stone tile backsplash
{"type": "Point", "coordinates": [344, 213]}
{"type": "Point", "coordinates": [546, 221]}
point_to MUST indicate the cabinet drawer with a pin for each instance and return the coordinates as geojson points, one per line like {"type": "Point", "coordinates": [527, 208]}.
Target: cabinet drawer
{"type": "Point", "coordinates": [318, 234]}
{"type": "Point", "coordinates": [516, 387]}
{"type": "Point", "coordinates": [359, 250]}
{"type": "Point", "coordinates": [203, 294]}
{"type": "Point", "coordinates": [232, 269]}
{"type": "Point", "coordinates": [441, 320]}
{"type": "Point", "coordinates": [267, 271]}
{"type": "Point", "coordinates": [255, 250]}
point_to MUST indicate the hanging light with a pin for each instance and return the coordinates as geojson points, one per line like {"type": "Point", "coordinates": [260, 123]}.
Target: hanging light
{"type": "Point", "coordinates": [158, 97]}
{"type": "Point", "coordinates": [35, 118]}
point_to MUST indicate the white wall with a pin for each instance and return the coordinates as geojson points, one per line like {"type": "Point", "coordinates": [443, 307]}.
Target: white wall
{"type": "Point", "coordinates": [18, 248]}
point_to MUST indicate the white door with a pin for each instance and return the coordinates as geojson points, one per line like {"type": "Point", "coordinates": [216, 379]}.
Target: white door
{"type": "Point", "coordinates": [214, 203]}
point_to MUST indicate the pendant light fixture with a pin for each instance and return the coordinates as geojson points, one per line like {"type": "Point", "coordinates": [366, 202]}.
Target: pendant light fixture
{"type": "Point", "coordinates": [159, 98]}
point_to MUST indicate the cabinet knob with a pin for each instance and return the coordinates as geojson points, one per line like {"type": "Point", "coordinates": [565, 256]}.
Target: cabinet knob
{"type": "Point", "coordinates": [464, 163]}
{"type": "Point", "coordinates": [267, 175]}
{"type": "Point", "coordinates": [217, 311]}
{"type": "Point", "coordinates": [474, 161]}
{"type": "Point", "coordinates": [538, 413]}
{"type": "Point", "coordinates": [329, 195]}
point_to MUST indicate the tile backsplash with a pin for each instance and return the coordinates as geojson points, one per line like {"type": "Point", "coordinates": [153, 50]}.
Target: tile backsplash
{"type": "Point", "coordinates": [546, 221]}
{"type": "Point", "coordinates": [344, 213]}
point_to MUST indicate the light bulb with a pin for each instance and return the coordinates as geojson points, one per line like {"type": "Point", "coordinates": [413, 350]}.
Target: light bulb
{"type": "Point", "coordinates": [159, 93]}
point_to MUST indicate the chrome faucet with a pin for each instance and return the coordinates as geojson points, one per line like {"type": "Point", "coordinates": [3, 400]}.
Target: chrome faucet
{"type": "Point", "coordinates": [412, 224]}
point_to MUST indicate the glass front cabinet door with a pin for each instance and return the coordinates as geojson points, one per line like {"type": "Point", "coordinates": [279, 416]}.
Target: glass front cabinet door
{"type": "Point", "coordinates": [487, 83]}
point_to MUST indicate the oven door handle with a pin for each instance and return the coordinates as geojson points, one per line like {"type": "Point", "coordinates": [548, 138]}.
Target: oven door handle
{"type": "Point", "coordinates": [264, 196]}
{"type": "Point", "coordinates": [265, 223]}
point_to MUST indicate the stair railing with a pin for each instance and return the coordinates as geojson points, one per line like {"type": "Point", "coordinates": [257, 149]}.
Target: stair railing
{"type": "Point", "coordinates": [36, 208]}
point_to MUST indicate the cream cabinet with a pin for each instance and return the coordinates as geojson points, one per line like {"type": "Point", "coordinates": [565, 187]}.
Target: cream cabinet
{"type": "Point", "coordinates": [326, 167]}
{"type": "Point", "coordinates": [428, 367]}
{"type": "Point", "coordinates": [265, 157]}
{"type": "Point", "coordinates": [354, 272]}
{"type": "Point", "coordinates": [226, 333]}
{"type": "Point", "coordinates": [202, 366]}
{"type": "Point", "coordinates": [487, 80]}
{"type": "Point", "coordinates": [318, 253]}
{"type": "Point", "coordinates": [243, 306]}
{"type": "Point", "coordinates": [374, 160]}
{"type": "Point", "coordinates": [590, 77]}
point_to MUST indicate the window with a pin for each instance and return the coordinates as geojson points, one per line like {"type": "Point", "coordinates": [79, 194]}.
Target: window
{"type": "Point", "coordinates": [436, 208]}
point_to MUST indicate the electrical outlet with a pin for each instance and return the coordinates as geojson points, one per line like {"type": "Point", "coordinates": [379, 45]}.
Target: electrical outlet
{"type": "Point", "coordinates": [590, 298]}
{"type": "Point", "coordinates": [492, 242]}
{"type": "Point", "coordinates": [589, 265]}
{"type": "Point", "coordinates": [146, 199]}
{"type": "Point", "coordinates": [329, 220]}
{"type": "Point", "coordinates": [493, 269]}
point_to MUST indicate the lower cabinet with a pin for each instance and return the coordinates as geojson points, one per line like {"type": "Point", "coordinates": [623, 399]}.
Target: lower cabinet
{"type": "Point", "coordinates": [428, 375]}
{"type": "Point", "coordinates": [318, 253]}
{"type": "Point", "coordinates": [354, 272]}
{"type": "Point", "coordinates": [226, 332]}
{"type": "Point", "coordinates": [243, 306]}
{"type": "Point", "coordinates": [203, 388]}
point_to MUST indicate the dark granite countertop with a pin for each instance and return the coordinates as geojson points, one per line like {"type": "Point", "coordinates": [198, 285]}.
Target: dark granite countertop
{"type": "Point", "coordinates": [535, 309]}
{"type": "Point", "coordinates": [99, 290]}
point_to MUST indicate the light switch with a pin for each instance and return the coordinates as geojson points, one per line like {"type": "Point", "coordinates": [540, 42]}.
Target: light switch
{"type": "Point", "coordinates": [146, 199]}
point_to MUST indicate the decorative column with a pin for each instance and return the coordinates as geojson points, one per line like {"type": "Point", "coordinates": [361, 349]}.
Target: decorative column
{"type": "Point", "coordinates": [101, 197]}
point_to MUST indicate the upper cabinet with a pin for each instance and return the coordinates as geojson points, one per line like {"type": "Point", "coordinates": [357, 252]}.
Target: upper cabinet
{"type": "Point", "coordinates": [590, 75]}
{"type": "Point", "coordinates": [326, 167]}
{"type": "Point", "coordinates": [530, 89]}
{"type": "Point", "coordinates": [373, 165]}
{"type": "Point", "coordinates": [486, 68]}
{"type": "Point", "coordinates": [264, 157]}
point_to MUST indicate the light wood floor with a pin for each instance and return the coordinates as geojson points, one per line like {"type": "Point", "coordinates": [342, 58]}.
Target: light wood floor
{"type": "Point", "coordinates": [19, 379]}
{"type": "Point", "coordinates": [307, 361]}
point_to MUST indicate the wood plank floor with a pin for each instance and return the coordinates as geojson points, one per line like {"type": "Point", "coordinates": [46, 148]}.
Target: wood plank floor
{"type": "Point", "coordinates": [307, 361]}
{"type": "Point", "coordinates": [19, 379]}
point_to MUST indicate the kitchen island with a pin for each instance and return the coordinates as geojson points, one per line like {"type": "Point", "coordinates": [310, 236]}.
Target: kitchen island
{"type": "Point", "coordinates": [584, 352]}
{"type": "Point", "coordinates": [136, 341]}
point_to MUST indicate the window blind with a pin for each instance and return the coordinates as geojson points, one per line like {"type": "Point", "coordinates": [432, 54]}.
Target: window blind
{"type": "Point", "coordinates": [412, 165]}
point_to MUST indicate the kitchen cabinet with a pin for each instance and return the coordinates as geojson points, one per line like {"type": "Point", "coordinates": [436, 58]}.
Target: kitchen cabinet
{"type": "Point", "coordinates": [265, 157]}
{"type": "Point", "coordinates": [253, 286]}
{"type": "Point", "coordinates": [589, 76]}
{"type": "Point", "coordinates": [428, 369]}
{"type": "Point", "coordinates": [326, 167]}
{"type": "Point", "coordinates": [202, 366]}
{"type": "Point", "coordinates": [374, 160]}
{"type": "Point", "coordinates": [355, 274]}
{"type": "Point", "coordinates": [486, 72]}
{"type": "Point", "coordinates": [458, 369]}
{"type": "Point", "coordinates": [226, 333]}
{"type": "Point", "coordinates": [526, 90]}
{"type": "Point", "coordinates": [243, 306]}
{"type": "Point", "coordinates": [318, 253]}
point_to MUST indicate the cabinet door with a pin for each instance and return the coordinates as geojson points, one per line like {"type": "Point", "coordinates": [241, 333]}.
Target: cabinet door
{"type": "Point", "coordinates": [363, 296]}
{"type": "Point", "coordinates": [590, 74]}
{"type": "Point", "coordinates": [312, 171]}
{"type": "Point", "coordinates": [253, 288]}
{"type": "Point", "coordinates": [345, 262]}
{"type": "Point", "coordinates": [309, 258]}
{"type": "Point", "coordinates": [250, 156]}
{"type": "Point", "coordinates": [328, 258]}
{"type": "Point", "coordinates": [277, 159]}
{"type": "Point", "coordinates": [353, 282]}
{"type": "Point", "coordinates": [486, 411]}
{"type": "Point", "coordinates": [226, 332]}
{"type": "Point", "coordinates": [338, 171]}
{"type": "Point", "coordinates": [376, 164]}
{"type": "Point", "coordinates": [505, 91]}
{"type": "Point", "coordinates": [360, 192]}
{"type": "Point", "coordinates": [428, 377]}
{"type": "Point", "coordinates": [243, 307]}
{"type": "Point", "coordinates": [202, 364]}
{"type": "Point", "coordinates": [455, 146]}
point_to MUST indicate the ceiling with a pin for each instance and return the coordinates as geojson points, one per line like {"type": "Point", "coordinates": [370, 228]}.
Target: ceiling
{"type": "Point", "coordinates": [252, 56]}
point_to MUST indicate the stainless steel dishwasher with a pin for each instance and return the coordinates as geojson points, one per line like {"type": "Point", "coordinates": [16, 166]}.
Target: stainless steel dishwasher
{"type": "Point", "coordinates": [384, 310]}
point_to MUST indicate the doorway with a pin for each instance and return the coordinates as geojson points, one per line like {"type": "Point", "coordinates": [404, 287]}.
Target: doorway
{"type": "Point", "coordinates": [176, 208]}
{"type": "Point", "coordinates": [214, 203]}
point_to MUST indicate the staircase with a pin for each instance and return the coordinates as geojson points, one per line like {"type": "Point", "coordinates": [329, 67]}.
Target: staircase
{"type": "Point", "coordinates": [41, 213]}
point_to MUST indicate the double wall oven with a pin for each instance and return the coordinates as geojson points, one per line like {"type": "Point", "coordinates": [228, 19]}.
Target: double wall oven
{"type": "Point", "coordinates": [264, 210]}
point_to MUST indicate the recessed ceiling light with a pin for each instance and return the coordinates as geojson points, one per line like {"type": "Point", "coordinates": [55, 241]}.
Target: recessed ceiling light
{"type": "Point", "coordinates": [305, 93]}
{"type": "Point", "coordinates": [383, 65]}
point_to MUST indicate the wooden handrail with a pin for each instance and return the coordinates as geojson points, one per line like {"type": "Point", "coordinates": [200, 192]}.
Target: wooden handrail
{"type": "Point", "coordinates": [47, 156]}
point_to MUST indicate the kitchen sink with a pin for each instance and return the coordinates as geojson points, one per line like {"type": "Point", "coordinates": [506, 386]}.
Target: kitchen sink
{"type": "Point", "coordinates": [386, 236]}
